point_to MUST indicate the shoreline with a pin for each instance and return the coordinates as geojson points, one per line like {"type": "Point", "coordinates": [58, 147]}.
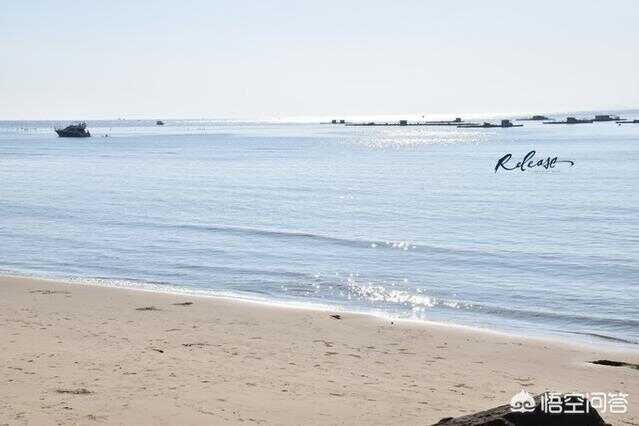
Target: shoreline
{"type": "Point", "coordinates": [124, 356]}
{"type": "Point", "coordinates": [577, 339]}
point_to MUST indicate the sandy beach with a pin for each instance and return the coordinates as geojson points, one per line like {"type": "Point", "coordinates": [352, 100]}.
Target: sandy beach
{"type": "Point", "coordinates": [79, 354]}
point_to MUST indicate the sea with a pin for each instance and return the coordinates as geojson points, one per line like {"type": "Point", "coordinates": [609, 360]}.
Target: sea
{"type": "Point", "coordinates": [404, 222]}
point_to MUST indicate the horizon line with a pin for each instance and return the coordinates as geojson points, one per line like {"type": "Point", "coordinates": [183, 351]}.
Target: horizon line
{"type": "Point", "coordinates": [284, 118]}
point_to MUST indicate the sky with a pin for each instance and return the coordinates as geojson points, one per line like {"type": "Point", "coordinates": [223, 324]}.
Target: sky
{"type": "Point", "coordinates": [270, 59]}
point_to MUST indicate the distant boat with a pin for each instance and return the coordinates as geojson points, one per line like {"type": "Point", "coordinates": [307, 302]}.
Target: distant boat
{"type": "Point", "coordinates": [159, 123]}
{"type": "Point", "coordinates": [570, 120]}
{"type": "Point", "coordinates": [74, 131]}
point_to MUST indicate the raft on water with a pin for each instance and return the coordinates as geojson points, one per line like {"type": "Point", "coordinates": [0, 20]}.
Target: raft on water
{"type": "Point", "coordinates": [487, 125]}
{"type": "Point", "coordinates": [570, 120]}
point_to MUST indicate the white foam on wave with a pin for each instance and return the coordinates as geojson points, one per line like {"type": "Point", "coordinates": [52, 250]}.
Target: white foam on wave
{"type": "Point", "coordinates": [395, 293]}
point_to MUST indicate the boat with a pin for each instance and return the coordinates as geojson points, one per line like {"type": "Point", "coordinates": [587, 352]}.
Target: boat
{"type": "Point", "coordinates": [628, 122]}
{"type": "Point", "coordinates": [570, 120]}
{"type": "Point", "coordinates": [74, 131]}
{"type": "Point", "coordinates": [159, 123]}
{"type": "Point", "coordinates": [486, 125]}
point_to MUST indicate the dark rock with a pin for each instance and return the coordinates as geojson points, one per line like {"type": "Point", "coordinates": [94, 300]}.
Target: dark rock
{"type": "Point", "coordinates": [574, 411]}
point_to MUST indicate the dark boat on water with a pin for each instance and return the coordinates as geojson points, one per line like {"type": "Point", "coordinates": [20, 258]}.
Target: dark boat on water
{"type": "Point", "coordinates": [74, 131]}
{"type": "Point", "coordinates": [570, 120]}
{"type": "Point", "coordinates": [159, 123]}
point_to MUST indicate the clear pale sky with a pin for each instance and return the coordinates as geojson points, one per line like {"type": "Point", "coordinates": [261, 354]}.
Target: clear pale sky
{"type": "Point", "coordinates": [250, 59]}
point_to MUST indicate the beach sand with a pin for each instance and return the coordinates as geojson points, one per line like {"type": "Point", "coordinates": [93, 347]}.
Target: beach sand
{"type": "Point", "coordinates": [79, 354]}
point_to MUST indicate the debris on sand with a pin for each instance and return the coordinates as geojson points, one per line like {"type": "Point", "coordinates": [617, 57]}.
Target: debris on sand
{"type": "Point", "coordinates": [147, 308]}
{"type": "Point", "coordinates": [336, 316]}
{"type": "Point", "coordinates": [50, 291]}
{"type": "Point", "coordinates": [183, 304]}
{"type": "Point", "coordinates": [78, 391]}
{"type": "Point", "coordinates": [610, 363]}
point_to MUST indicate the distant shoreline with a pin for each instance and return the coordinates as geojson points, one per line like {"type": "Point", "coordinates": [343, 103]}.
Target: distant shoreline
{"type": "Point", "coordinates": [314, 119]}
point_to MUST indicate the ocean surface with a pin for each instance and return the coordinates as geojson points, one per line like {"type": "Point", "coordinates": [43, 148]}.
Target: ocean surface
{"type": "Point", "coordinates": [406, 222]}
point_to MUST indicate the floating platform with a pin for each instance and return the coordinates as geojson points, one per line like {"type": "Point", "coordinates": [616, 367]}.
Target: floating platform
{"type": "Point", "coordinates": [606, 117]}
{"type": "Point", "coordinates": [535, 118]}
{"type": "Point", "coordinates": [456, 122]}
{"type": "Point", "coordinates": [570, 120]}
{"type": "Point", "coordinates": [486, 125]}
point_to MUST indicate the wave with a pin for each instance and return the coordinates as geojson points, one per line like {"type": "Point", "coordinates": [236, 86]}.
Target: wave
{"type": "Point", "coordinates": [510, 259]}
{"type": "Point", "coordinates": [419, 300]}
{"type": "Point", "coordinates": [603, 336]}
{"type": "Point", "coordinates": [405, 245]}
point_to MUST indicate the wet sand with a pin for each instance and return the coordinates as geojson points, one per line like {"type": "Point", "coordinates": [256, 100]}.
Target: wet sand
{"type": "Point", "coordinates": [79, 354]}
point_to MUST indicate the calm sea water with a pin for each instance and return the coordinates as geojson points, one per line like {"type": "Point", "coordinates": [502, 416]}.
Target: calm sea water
{"type": "Point", "coordinates": [408, 222]}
